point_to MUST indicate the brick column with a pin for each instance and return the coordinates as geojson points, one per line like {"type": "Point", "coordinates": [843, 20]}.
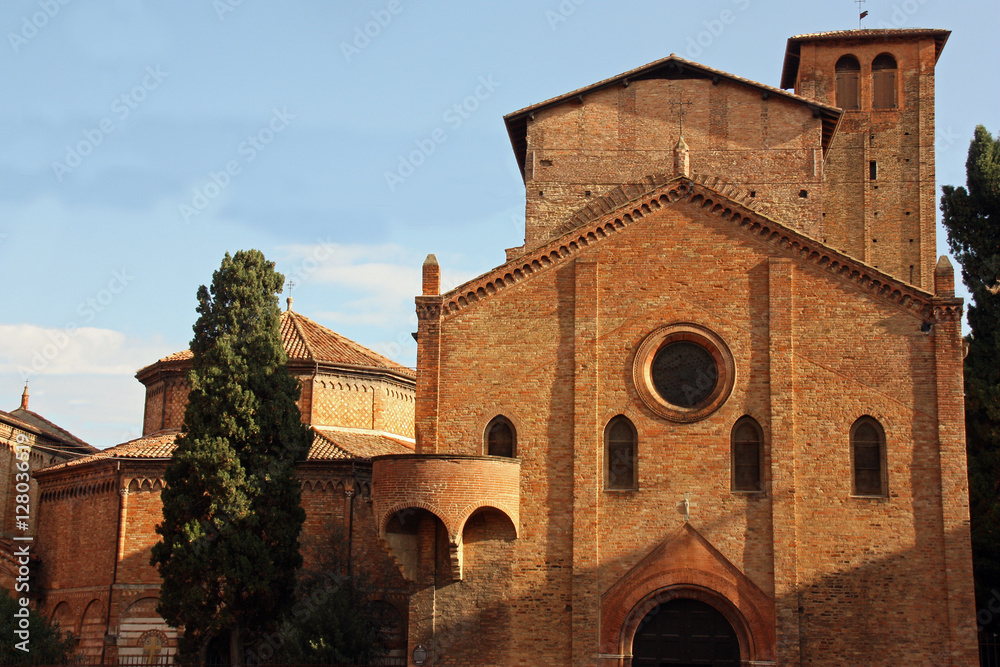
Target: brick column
{"type": "Point", "coordinates": [784, 514]}
{"type": "Point", "coordinates": [587, 446]}
{"type": "Point", "coordinates": [428, 374]}
{"type": "Point", "coordinates": [948, 363]}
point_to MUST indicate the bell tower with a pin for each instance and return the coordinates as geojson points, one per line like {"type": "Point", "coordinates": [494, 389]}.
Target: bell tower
{"type": "Point", "coordinates": [879, 197]}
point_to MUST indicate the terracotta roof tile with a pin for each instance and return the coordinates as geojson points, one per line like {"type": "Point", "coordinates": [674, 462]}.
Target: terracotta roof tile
{"type": "Point", "coordinates": [156, 446]}
{"type": "Point", "coordinates": [42, 424]}
{"type": "Point", "coordinates": [337, 444]}
{"type": "Point", "coordinates": [328, 444]}
{"type": "Point", "coordinates": [305, 340]}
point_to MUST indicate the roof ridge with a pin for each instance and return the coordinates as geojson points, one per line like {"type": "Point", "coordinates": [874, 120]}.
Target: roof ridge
{"type": "Point", "coordinates": [298, 329]}
{"type": "Point", "coordinates": [681, 189]}
{"type": "Point", "coordinates": [52, 428]}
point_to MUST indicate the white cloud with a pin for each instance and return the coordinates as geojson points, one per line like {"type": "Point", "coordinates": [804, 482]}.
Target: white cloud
{"type": "Point", "coordinates": [30, 350]}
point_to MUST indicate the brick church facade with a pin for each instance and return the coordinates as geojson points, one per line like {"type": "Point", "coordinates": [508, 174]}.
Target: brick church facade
{"type": "Point", "coordinates": [711, 412]}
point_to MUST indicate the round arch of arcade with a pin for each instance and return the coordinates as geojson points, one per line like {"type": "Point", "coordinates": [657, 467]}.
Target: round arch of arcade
{"type": "Point", "coordinates": [454, 524]}
{"type": "Point", "coordinates": [718, 602]}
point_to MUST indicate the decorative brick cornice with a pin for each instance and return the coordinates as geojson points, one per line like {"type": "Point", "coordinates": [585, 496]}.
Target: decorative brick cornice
{"type": "Point", "coordinates": [593, 225]}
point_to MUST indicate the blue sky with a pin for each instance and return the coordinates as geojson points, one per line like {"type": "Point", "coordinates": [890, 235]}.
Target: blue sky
{"type": "Point", "coordinates": [143, 140]}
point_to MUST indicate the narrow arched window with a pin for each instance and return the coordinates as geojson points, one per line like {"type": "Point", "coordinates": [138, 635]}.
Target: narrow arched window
{"type": "Point", "coordinates": [501, 438]}
{"type": "Point", "coordinates": [621, 445]}
{"type": "Point", "coordinates": [884, 82]}
{"type": "Point", "coordinates": [868, 458]}
{"type": "Point", "coordinates": [747, 449]}
{"type": "Point", "coordinates": [848, 71]}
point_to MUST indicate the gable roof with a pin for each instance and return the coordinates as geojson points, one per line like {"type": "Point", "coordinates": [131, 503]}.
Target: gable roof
{"type": "Point", "coordinates": [42, 426]}
{"type": "Point", "coordinates": [307, 341]}
{"type": "Point", "coordinates": [627, 205]}
{"type": "Point", "coordinates": [327, 444]}
{"type": "Point", "coordinates": [790, 67]}
{"type": "Point", "coordinates": [671, 67]}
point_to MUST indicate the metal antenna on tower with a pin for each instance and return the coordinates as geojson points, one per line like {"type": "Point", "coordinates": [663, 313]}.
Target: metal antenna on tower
{"type": "Point", "coordinates": [861, 14]}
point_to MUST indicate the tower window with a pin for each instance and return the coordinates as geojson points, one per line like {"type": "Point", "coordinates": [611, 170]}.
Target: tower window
{"type": "Point", "coordinates": [620, 440]}
{"type": "Point", "coordinates": [747, 440]}
{"type": "Point", "coordinates": [884, 82]}
{"type": "Point", "coordinates": [873, 170]}
{"type": "Point", "coordinates": [501, 438]}
{"type": "Point", "coordinates": [848, 72]}
{"type": "Point", "coordinates": [868, 458]}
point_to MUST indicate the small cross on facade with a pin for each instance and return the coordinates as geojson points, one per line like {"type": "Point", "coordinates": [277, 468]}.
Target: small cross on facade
{"type": "Point", "coordinates": [680, 104]}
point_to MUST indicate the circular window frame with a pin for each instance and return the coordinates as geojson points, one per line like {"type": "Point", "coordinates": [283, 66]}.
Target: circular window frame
{"type": "Point", "coordinates": [704, 338]}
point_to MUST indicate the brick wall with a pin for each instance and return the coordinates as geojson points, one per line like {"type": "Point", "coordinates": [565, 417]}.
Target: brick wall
{"type": "Point", "coordinates": [844, 353]}
{"type": "Point", "coordinates": [771, 147]}
{"type": "Point", "coordinates": [887, 221]}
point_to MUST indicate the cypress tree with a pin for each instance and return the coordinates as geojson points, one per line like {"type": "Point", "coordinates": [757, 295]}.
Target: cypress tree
{"type": "Point", "coordinates": [972, 218]}
{"type": "Point", "coordinates": [229, 548]}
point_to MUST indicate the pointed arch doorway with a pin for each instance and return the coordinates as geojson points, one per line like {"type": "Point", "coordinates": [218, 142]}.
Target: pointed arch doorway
{"type": "Point", "coordinates": [684, 632]}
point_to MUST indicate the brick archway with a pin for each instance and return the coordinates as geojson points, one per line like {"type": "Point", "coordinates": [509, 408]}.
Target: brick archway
{"type": "Point", "coordinates": [686, 565]}
{"type": "Point", "coordinates": [718, 602]}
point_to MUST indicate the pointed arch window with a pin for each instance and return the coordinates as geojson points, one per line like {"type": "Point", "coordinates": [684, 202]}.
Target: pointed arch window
{"type": "Point", "coordinates": [501, 437]}
{"type": "Point", "coordinates": [884, 82]}
{"type": "Point", "coordinates": [868, 458]}
{"type": "Point", "coordinates": [848, 71]}
{"type": "Point", "coordinates": [747, 451]}
{"type": "Point", "coordinates": [621, 452]}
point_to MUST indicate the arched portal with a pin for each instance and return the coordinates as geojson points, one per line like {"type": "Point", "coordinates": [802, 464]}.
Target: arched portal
{"type": "Point", "coordinates": [684, 632]}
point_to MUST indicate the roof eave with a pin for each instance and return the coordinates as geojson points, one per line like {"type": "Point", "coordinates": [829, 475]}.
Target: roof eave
{"type": "Point", "coordinates": [518, 135]}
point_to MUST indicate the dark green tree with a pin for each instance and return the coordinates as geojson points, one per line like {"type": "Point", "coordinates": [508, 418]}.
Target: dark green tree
{"type": "Point", "coordinates": [335, 619]}
{"type": "Point", "coordinates": [229, 548]}
{"type": "Point", "coordinates": [972, 218]}
{"type": "Point", "coordinates": [47, 645]}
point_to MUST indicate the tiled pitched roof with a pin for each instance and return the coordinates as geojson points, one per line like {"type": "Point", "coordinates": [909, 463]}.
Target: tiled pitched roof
{"type": "Point", "coordinates": [305, 340]}
{"type": "Point", "coordinates": [338, 444]}
{"type": "Point", "coordinates": [328, 444]}
{"type": "Point", "coordinates": [156, 446]}
{"type": "Point", "coordinates": [40, 423]}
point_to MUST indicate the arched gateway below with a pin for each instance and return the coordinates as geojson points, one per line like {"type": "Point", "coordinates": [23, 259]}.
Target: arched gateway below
{"type": "Point", "coordinates": [684, 633]}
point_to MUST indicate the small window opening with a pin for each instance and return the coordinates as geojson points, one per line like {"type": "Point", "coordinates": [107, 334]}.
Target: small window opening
{"type": "Point", "coordinates": [803, 193]}
{"type": "Point", "coordinates": [747, 439]}
{"type": "Point", "coordinates": [884, 82]}
{"type": "Point", "coordinates": [868, 458]}
{"type": "Point", "coordinates": [848, 74]}
{"type": "Point", "coordinates": [621, 442]}
{"type": "Point", "coordinates": [501, 438]}
{"type": "Point", "coordinates": [546, 163]}
{"type": "Point", "coordinates": [873, 170]}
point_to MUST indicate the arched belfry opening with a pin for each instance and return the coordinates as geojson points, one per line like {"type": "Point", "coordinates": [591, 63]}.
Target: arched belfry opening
{"type": "Point", "coordinates": [682, 632]}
